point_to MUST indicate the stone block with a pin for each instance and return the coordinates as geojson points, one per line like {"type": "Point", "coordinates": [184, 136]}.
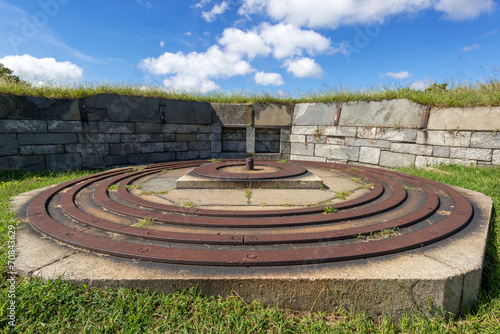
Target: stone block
{"type": "Point", "coordinates": [471, 153]}
{"type": "Point", "coordinates": [116, 127]}
{"type": "Point", "coordinates": [314, 113]}
{"type": "Point", "coordinates": [421, 162]}
{"type": "Point", "coordinates": [272, 114]}
{"type": "Point", "coordinates": [153, 147]}
{"type": "Point", "coordinates": [304, 130]}
{"type": "Point", "coordinates": [250, 140]}
{"type": "Point", "coordinates": [412, 149]}
{"type": "Point", "coordinates": [234, 134]}
{"type": "Point", "coordinates": [188, 155]}
{"type": "Point", "coordinates": [444, 138]}
{"type": "Point", "coordinates": [168, 137]}
{"type": "Point", "coordinates": [393, 135]}
{"type": "Point", "coordinates": [306, 158]}
{"type": "Point", "coordinates": [22, 126]}
{"type": "Point", "coordinates": [464, 162]}
{"type": "Point", "coordinates": [302, 149]}
{"type": "Point", "coordinates": [23, 162]}
{"type": "Point", "coordinates": [477, 118]}
{"type": "Point", "coordinates": [113, 160]}
{"type": "Point", "coordinates": [267, 147]}
{"type": "Point", "coordinates": [29, 107]}
{"type": "Point", "coordinates": [337, 152]}
{"type": "Point", "coordinates": [205, 154]}
{"type": "Point", "coordinates": [234, 146]}
{"type": "Point", "coordinates": [298, 138]}
{"type": "Point", "coordinates": [122, 108]}
{"type": "Point", "coordinates": [485, 139]}
{"type": "Point", "coordinates": [496, 157]}
{"type": "Point", "coordinates": [339, 131]}
{"type": "Point", "coordinates": [185, 128]}
{"type": "Point", "coordinates": [232, 155]}
{"type": "Point", "coordinates": [8, 145]}
{"type": "Point", "coordinates": [316, 139]}
{"type": "Point", "coordinates": [47, 138]}
{"type": "Point", "coordinates": [198, 145]}
{"type": "Point", "coordinates": [148, 127]}
{"type": "Point", "coordinates": [65, 126]}
{"type": "Point", "coordinates": [149, 158]}
{"type": "Point", "coordinates": [267, 135]}
{"type": "Point", "coordinates": [185, 137]}
{"type": "Point", "coordinates": [369, 155]}
{"type": "Point", "coordinates": [285, 134]}
{"type": "Point", "coordinates": [391, 159]}
{"type": "Point", "coordinates": [176, 146]}
{"type": "Point", "coordinates": [387, 113]}
{"type": "Point", "coordinates": [213, 136]}
{"type": "Point", "coordinates": [205, 137]}
{"type": "Point", "coordinates": [126, 148]}
{"type": "Point", "coordinates": [215, 146]}
{"type": "Point", "coordinates": [285, 148]}
{"type": "Point", "coordinates": [41, 149]}
{"type": "Point", "coordinates": [336, 141]}
{"type": "Point", "coordinates": [87, 149]}
{"type": "Point", "coordinates": [441, 151]}
{"type": "Point", "coordinates": [62, 162]}
{"type": "Point", "coordinates": [96, 138]}
{"type": "Point", "coordinates": [188, 112]}
{"type": "Point", "coordinates": [368, 143]}
{"type": "Point", "coordinates": [232, 114]}
{"type": "Point", "coordinates": [141, 138]}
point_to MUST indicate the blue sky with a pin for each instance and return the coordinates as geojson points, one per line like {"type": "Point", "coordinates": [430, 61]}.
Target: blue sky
{"type": "Point", "coordinates": [289, 46]}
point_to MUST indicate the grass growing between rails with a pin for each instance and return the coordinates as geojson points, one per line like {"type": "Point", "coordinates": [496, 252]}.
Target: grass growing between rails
{"type": "Point", "coordinates": [56, 306]}
{"type": "Point", "coordinates": [460, 95]}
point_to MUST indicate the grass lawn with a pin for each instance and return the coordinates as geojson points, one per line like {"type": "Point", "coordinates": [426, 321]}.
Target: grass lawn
{"type": "Point", "coordinates": [470, 95]}
{"type": "Point", "coordinates": [60, 307]}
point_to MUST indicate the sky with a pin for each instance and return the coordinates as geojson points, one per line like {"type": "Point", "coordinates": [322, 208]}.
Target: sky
{"type": "Point", "coordinates": [276, 46]}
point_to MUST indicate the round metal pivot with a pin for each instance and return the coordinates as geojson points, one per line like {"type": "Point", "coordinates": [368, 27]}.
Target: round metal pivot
{"type": "Point", "coordinates": [250, 163]}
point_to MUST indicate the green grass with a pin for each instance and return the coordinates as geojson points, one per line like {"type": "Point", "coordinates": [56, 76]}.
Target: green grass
{"type": "Point", "coordinates": [145, 222]}
{"type": "Point", "coordinates": [458, 95]}
{"type": "Point", "coordinates": [113, 187]}
{"type": "Point", "coordinates": [188, 205]}
{"type": "Point", "coordinates": [133, 186]}
{"type": "Point", "coordinates": [56, 306]}
{"type": "Point", "coordinates": [329, 209]}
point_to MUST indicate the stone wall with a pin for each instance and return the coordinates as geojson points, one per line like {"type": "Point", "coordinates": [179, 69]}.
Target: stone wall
{"type": "Point", "coordinates": [110, 130]}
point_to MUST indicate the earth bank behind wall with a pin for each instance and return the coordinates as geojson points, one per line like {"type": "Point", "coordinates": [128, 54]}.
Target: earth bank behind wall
{"type": "Point", "coordinates": [112, 130]}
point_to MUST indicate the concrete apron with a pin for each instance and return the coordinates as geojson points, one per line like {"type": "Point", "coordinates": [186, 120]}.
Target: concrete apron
{"type": "Point", "coordinates": [445, 275]}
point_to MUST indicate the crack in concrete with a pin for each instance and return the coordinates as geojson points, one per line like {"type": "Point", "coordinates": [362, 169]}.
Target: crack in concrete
{"type": "Point", "coordinates": [55, 261]}
{"type": "Point", "coordinates": [444, 263]}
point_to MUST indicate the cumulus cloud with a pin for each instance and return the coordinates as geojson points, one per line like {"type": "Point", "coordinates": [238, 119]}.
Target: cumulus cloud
{"type": "Point", "coordinates": [421, 84]}
{"type": "Point", "coordinates": [248, 43]}
{"type": "Point", "coordinates": [282, 40]}
{"type": "Point", "coordinates": [304, 68]}
{"type": "Point", "coordinates": [398, 75]}
{"type": "Point", "coordinates": [327, 13]}
{"type": "Point", "coordinates": [196, 71]}
{"type": "Point", "coordinates": [470, 48]}
{"type": "Point", "coordinates": [274, 79]}
{"type": "Point", "coordinates": [215, 11]}
{"type": "Point", "coordinates": [31, 68]}
{"type": "Point", "coordinates": [459, 10]}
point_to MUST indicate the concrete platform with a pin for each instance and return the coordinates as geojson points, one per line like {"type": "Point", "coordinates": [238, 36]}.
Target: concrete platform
{"type": "Point", "coordinates": [446, 274]}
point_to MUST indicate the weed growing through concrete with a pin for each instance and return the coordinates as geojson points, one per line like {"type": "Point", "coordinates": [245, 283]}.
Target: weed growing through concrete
{"type": "Point", "coordinates": [343, 194]}
{"type": "Point", "coordinates": [248, 195]}
{"type": "Point", "coordinates": [133, 186]}
{"type": "Point", "coordinates": [367, 186]}
{"type": "Point", "coordinates": [145, 222]}
{"type": "Point", "coordinates": [138, 169]}
{"type": "Point", "coordinates": [383, 234]}
{"type": "Point", "coordinates": [214, 161]}
{"type": "Point", "coordinates": [263, 204]}
{"type": "Point", "coordinates": [187, 205]}
{"type": "Point", "coordinates": [165, 171]}
{"type": "Point", "coordinates": [409, 188]}
{"type": "Point", "coordinates": [282, 161]}
{"type": "Point", "coordinates": [145, 193]}
{"type": "Point", "coordinates": [113, 187]}
{"type": "Point", "coordinates": [330, 209]}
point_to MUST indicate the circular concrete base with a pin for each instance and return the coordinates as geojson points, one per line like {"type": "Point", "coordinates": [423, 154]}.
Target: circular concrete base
{"type": "Point", "coordinates": [446, 273]}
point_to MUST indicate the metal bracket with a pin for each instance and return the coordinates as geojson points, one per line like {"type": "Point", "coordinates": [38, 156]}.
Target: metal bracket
{"type": "Point", "coordinates": [83, 110]}
{"type": "Point", "coordinates": [163, 115]}
{"type": "Point", "coordinates": [425, 117]}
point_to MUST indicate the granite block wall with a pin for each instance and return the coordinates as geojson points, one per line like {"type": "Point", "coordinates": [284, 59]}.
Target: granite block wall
{"type": "Point", "coordinates": [110, 130]}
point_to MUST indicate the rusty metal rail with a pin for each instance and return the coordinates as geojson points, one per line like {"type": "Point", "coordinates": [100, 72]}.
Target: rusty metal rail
{"type": "Point", "coordinates": [385, 206]}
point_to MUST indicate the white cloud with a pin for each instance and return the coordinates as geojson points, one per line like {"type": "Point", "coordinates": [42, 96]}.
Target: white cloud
{"type": "Point", "coordinates": [304, 68]}
{"type": "Point", "coordinates": [202, 3]}
{"type": "Point", "coordinates": [398, 75]}
{"type": "Point", "coordinates": [162, 44]}
{"type": "Point", "coordinates": [288, 40]}
{"type": "Point", "coordinates": [195, 71]}
{"type": "Point", "coordinates": [216, 10]}
{"type": "Point", "coordinates": [470, 48]}
{"type": "Point", "coordinates": [265, 79]}
{"type": "Point", "coordinates": [459, 10]}
{"type": "Point", "coordinates": [31, 68]}
{"type": "Point", "coordinates": [421, 84]}
{"type": "Point", "coordinates": [241, 42]}
{"type": "Point", "coordinates": [328, 13]}
{"type": "Point", "coordinates": [146, 4]}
